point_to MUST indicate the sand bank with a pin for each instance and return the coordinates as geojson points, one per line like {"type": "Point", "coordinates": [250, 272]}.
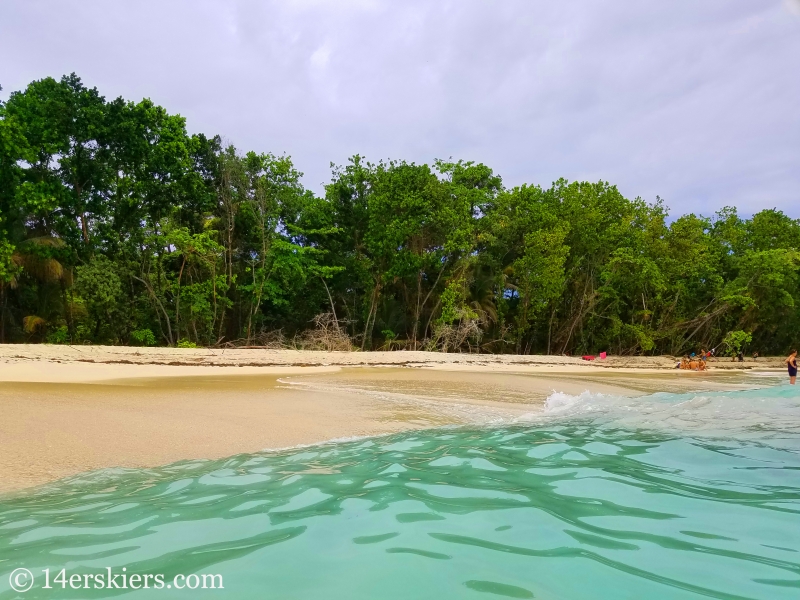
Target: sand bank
{"type": "Point", "coordinates": [56, 363]}
{"type": "Point", "coordinates": [65, 410]}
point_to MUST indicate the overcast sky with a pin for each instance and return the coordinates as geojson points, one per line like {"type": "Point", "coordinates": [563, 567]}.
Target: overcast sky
{"type": "Point", "coordinates": [695, 101]}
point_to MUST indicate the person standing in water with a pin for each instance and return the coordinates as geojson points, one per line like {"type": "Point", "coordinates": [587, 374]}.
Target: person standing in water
{"type": "Point", "coordinates": [791, 362]}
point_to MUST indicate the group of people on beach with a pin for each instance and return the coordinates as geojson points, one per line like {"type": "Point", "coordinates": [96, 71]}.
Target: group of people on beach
{"type": "Point", "coordinates": [695, 362]}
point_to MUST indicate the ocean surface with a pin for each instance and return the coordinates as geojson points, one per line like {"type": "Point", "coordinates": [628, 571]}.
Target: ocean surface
{"type": "Point", "coordinates": [665, 496]}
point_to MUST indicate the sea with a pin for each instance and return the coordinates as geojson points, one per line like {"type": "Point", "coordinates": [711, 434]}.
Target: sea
{"type": "Point", "coordinates": [662, 496]}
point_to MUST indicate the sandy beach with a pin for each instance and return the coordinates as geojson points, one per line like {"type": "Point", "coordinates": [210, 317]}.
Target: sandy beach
{"type": "Point", "coordinates": [66, 410]}
{"type": "Point", "coordinates": [19, 362]}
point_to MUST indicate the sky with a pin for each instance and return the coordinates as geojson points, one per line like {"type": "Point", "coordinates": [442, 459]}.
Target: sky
{"type": "Point", "coordinates": [695, 102]}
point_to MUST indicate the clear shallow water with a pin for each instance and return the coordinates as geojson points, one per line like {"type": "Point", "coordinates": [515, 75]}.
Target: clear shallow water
{"type": "Point", "coordinates": [665, 496]}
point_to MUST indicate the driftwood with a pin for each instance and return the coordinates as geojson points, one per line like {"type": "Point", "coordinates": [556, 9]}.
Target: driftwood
{"type": "Point", "coordinates": [328, 334]}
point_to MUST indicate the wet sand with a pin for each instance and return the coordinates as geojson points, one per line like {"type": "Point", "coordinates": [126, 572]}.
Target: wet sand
{"type": "Point", "coordinates": [59, 419]}
{"type": "Point", "coordinates": [49, 431]}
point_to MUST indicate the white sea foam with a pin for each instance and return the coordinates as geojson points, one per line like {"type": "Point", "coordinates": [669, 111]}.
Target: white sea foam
{"type": "Point", "coordinates": [768, 413]}
{"type": "Point", "coordinates": [758, 414]}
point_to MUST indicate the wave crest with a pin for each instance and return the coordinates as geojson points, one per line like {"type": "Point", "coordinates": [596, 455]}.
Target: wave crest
{"type": "Point", "coordinates": [767, 413]}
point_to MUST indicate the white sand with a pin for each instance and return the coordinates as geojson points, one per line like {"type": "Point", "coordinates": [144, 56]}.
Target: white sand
{"type": "Point", "coordinates": [66, 410]}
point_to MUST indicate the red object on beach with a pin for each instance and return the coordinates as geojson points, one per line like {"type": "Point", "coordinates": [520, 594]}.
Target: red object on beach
{"type": "Point", "coordinates": [587, 357]}
{"type": "Point", "coordinates": [602, 356]}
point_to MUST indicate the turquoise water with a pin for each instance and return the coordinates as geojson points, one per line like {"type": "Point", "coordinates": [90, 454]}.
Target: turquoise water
{"type": "Point", "coordinates": [665, 496]}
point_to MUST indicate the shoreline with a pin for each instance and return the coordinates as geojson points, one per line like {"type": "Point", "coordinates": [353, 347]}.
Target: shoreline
{"type": "Point", "coordinates": [71, 410]}
{"type": "Point", "coordinates": [59, 363]}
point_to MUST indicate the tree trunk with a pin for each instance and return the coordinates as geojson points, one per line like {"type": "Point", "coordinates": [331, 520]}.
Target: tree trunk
{"type": "Point", "coordinates": [3, 315]}
{"type": "Point", "coordinates": [68, 310]}
{"type": "Point", "coordinates": [330, 298]}
{"type": "Point", "coordinates": [84, 228]}
{"type": "Point", "coordinates": [170, 339]}
{"type": "Point", "coordinates": [550, 329]}
{"type": "Point", "coordinates": [178, 301]}
{"type": "Point", "coordinates": [372, 308]}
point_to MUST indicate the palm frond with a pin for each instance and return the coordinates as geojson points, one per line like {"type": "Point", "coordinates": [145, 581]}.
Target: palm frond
{"type": "Point", "coordinates": [32, 323]}
{"type": "Point", "coordinates": [43, 268]}
{"type": "Point", "coordinates": [44, 241]}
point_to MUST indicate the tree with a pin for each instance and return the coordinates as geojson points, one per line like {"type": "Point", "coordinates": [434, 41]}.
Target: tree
{"type": "Point", "coordinates": [101, 290]}
{"type": "Point", "coordinates": [178, 239]}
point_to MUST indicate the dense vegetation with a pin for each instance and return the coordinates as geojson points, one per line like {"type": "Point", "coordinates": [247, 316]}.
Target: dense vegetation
{"type": "Point", "coordinates": [118, 227]}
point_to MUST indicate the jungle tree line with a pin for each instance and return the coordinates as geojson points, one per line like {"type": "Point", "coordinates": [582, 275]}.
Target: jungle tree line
{"type": "Point", "coordinates": [117, 226]}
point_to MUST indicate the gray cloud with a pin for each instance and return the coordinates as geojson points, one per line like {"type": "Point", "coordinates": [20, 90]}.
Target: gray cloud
{"type": "Point", "coordinates": [696, 102]}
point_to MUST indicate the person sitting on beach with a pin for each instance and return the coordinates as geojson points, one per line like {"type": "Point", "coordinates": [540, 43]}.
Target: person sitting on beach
{"type": "Point", "coordinates": [791, 363]}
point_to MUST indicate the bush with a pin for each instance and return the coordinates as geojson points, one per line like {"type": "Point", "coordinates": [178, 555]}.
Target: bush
{"type": "Point", "coordinates": [59, 336]}
{"type": "Point", "coordinates": [186, 344]}
{"type": "Point", "coordinates": [736, 340]}
{"type": "Point", "coordinates": [143, 337]}
{"type": "Point", "coordinates": [100, 288]}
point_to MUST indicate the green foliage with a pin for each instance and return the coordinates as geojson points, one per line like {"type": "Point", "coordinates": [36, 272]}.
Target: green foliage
{"type": "Point", "coordinates": [8, 267]}
{"type": "Point", "coordinates": [58, 336]}
{"type": "Point", "coordinates": [143, 337]}
{"type": "Point", "coordinates": [735, 341]}
{"type": "Point", "coordinates": [453, 301]}
{"type": "Point", "coordinates": [100, 287]}
{"type": "Point", "coordinates": [118, 226]}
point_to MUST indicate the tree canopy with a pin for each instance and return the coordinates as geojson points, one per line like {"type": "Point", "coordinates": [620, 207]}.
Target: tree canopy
{"type": "Point", "coordinates": [117, 226]}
